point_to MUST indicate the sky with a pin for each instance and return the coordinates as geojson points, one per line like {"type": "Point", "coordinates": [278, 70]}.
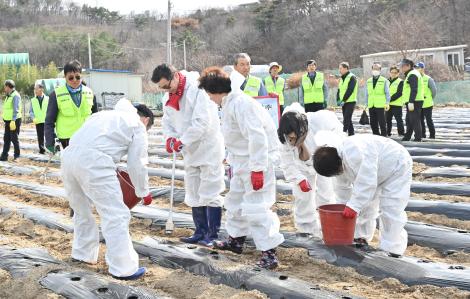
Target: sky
{"type": "Point", "coordinates": [179, 6]}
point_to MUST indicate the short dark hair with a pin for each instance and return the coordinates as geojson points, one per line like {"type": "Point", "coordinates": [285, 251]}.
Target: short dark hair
{"type": "Point", "coordinates": [163, 71]}
{"type": "Point", "coordinates": [214, 80]}
{"type": "Point", "coordinates": [327, 162]}
{"type": "Point", "coordinates": [73, 66]}
{"type": "Point", "coordinates": [394, 67]}
{"type": "Point", "coordinates": [292, 121]}
{"type": "Point", "coordinates": [145, 111]}
{"type": "Point", "coordinates": [408, 62]}
{"type": "Point", "coordinates": [309, 62]}
{"type": "Point", "coordinates": [345, 64]}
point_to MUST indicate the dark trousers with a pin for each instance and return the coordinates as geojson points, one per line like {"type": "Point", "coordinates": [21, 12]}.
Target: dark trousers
{"type": "Point", "coordinates": [427, 113]}
{"type": "Point", "coordinates": [397, 112]}
{"type": "Point", "coordinates": [314, 107]}
{"type": "Point", "coordinates": [40, 134]}
{"type": "Point", "coordinates": [414, 122]}
{"type": "Point", "coordinates": [11, 137]}
{"type": "Point", "coordinates": [348, 109]}
{"type": "Point", "coordinates": [377, 118]}
{"type": "Point", "coordinates": [64, 142]}
{"type": "Point", "coordinates": [281, 107]}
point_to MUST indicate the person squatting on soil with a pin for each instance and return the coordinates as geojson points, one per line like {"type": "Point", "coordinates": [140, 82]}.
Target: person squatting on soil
{"type": "Point", "coordinates": [89, 176]}
{"type": "Point", "coordinates": [38, 114]}
{"type": "Point", "coordinates": [296, 132]}
{"type": "Point", "coordinates": [373, 178]}
{"type": "Point", "coordinates": [191, 125]}
{"type": "Point", "coordinates": [252, 144]}
{"type": "Point", "coordinates": [12, 112]}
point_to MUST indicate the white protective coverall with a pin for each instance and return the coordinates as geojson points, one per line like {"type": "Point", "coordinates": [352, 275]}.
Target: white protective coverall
{"type": "Point", "coordinates": [197, 125]}
{"type": "Point", "coordinates": [376, 183]}
{"type": "Point", "coordinates": [296, 170]}
{"type": "Point", "coordinates": [89, 175]}
{"type": "Point", "coordinates": [252, 144]}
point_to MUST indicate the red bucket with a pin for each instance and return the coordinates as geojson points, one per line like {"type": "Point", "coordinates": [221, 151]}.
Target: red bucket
{"type": "Point", "coordinates": [128, 190]}
{"type": "Point", "coordinates": [336, 229]}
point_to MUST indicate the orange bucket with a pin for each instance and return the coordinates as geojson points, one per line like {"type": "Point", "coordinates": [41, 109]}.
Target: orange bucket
{"type": "Point", "coordinates": [336, 229]}
{"type": "Point", "coordinates": [128, 190]}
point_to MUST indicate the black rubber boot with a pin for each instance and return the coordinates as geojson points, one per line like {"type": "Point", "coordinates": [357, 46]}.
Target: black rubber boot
{"type": "Point", "coordinates": [200, 221]}
{"type": "Point", "coordinates": [214, 217]}
{"type": "Point", "coordinates": [232, 244]}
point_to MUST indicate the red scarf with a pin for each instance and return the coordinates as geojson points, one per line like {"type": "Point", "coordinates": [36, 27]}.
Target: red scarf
{"type": "Point", "coordinates": [174, 98]}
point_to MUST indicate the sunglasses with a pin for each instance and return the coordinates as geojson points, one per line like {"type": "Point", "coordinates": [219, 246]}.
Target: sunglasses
{"type": "Point", "coordinates": [77, 77]}
{"type": "Point", "coordinates": [168, 86]}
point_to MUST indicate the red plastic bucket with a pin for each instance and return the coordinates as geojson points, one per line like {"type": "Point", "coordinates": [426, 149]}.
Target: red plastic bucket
{"type": "Point", "coordinates": [128, 190]}
{"type": "Point", "coordinates": [336, 229]}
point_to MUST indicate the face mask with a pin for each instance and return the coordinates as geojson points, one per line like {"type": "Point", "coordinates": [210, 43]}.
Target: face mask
{"type": "Point", "coordinates": [375, 73]}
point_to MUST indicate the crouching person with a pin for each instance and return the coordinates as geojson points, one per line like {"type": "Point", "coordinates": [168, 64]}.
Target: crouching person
{"type": "Point", "coordinates": [374, 173]}
{"type": "Point", "coordinates": [191, 125]}
{"type": "Point", "coordinates": [297, 130]}
{"type": "Point", "coordinates": [89, 176]}
{"type": "Point", "coordinates": [252, 145]}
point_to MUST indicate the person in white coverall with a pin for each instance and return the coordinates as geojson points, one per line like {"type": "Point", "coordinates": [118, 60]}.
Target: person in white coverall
{"type": "Point", "coordinates": [373, 178]}
{"type": "Point", "coordinates": [191, 125]}
{"type": "Point", "coordinates": [252, 144]}
{"type": "Point", "coordinates": [89, 176]}
{"type": "Point", "coordinates": [296, 132]}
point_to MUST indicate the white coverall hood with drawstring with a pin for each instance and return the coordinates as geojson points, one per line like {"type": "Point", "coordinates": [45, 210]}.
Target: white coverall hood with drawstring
{"type": "Point", "coordinates": [197, 125]}
{"type": "Point", "coordinates": [296, 170]}
{"type": "Point", "coordinates": [252, 144]}
{"type": "Point", "coordinates": [89, 176]}
{"type": "Point", "coordinates": [376, 183]}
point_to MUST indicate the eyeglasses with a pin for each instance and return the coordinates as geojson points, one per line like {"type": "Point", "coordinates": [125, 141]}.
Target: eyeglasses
{"type": "Point", "coordinates": [166, 87]}
{"type": "Point", "coordinates": [77, 77]}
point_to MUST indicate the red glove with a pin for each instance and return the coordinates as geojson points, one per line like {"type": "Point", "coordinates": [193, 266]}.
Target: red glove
{"type": "Point", "coordinates": [349, 213]}
{"type": "Point", "coordinates": [257, 180]}
{"type": "Point", "coordinates": [173, 144]}
{"type": "Point", "coordinates": [147, 199]}
{"type": "Point", "coordinates": [305, 186]}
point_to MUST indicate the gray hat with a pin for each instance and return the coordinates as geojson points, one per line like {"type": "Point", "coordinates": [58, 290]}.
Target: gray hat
{"type": "Point", "coordinates": [10, 83]}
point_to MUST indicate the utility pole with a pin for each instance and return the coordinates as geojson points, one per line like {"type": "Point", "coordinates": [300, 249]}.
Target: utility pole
{"type": "Point", "coordinates": [168, 35]}
{"type": "Point", "coordinates": [89, 51]}
{"type": "Point", "coordinates": [184, 53]}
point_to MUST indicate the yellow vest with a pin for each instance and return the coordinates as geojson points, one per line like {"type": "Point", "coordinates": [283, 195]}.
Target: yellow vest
{"type": "Point", "coordinates": [428, 100]}
{"type": "Point", "coordinates": [277, 88]}
{"type": "Point", "coordinates": [40, 111]}
{"type": "Point", "coordinates": [313, 93]}
{"type": "Point", "coordinates": [376, 96]}
{"type": "Point", "coordinates": [343, 86]}
{"type": "Point", "coordinates": [70, 117]}
{"type": "Point", "coordinates": [407, 89]}
{"type": "Point", "coordinates": [393, 90]}
{"type": "Point", "coordinates": [252, 86]}
{"type": "Point", "coordinates": [8, 106]}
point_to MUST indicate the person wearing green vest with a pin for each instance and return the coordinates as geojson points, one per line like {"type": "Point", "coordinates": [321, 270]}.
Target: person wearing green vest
{"type": "Point", "coordinates": [347, 96]}
{"type": "Point", "coordinates": [12, 110]}
{"type": "Point", "coordinates": [314, 91]}
{"type": "Point", "coordinates": [252, 86]}
{"type": "Point", "coordinates": [275, 84]}
{"type": "Point", "coordinates": [377, 94]}
{"type": "Point", "coordinates": [412, 95]}
{"type": "Point", "coordinates": [430, 91]}
{"type": "Point", "coordinates": [38, 114]}
{"type": "Point", "coordinates": [396, 102]}
{"type": "Point", "coordinates": [69, 107]}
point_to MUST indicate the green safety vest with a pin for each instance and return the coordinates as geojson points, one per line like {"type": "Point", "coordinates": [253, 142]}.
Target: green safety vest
{"type": "Point", "coordinates": [252, 86]}
{"type": "Point", "coordinates": [407, 89]}
{"type": "Point", "coordinates": [8, 106]}
{"type": "Point", "coordinates": [343, 86]}
{"type": "Point", "coordinates": [313, 93]}
{"type": "Point", "coordinates": [376, 96]}
{"type": "Point", "coordinates": [428, 100]}
{"type": "Point", "coordinates": [70, 117]}
{"type": "Point", "coordinates": [277, 88]}
{"type": "Point", "coordinates": [40, 111]}
{"type": "Point", "coordinates": [393, 90]}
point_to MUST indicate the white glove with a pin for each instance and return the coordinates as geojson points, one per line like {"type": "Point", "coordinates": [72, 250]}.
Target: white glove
{"type": "Point", "coordinates": [411, 107]}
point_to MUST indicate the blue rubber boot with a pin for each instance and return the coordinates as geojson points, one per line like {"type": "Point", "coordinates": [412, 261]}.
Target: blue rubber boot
{"type": "Point", "coordinates": [214, 217]}
{"type": "Point", "coordinates": [138, 274]}
{"type": "Point", "coordinates": [200, 221]}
